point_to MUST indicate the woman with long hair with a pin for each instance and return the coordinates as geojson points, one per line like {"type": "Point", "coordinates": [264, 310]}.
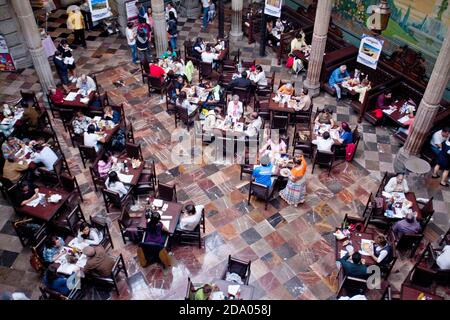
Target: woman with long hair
{"type": "Point", "coordinates": [114, 184]}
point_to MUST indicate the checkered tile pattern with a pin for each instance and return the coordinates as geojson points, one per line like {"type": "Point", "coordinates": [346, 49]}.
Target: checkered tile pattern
{"type": "Point", "coordinates": [292, 249]}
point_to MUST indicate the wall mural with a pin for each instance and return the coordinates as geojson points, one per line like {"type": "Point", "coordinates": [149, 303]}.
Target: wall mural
{"type": "Point", "coordinates": [421, 24]}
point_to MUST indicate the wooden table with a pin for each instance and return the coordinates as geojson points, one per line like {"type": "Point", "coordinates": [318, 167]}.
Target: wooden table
{"type": "Point", "coordinates": [355, 238]}
{"type": "Point", "coordinates": [408, 292]}
{"type": "Point", "coordinates": [396, 115]}
{"type": "Point", "coordinates": [246, 291]}
{"type": "Point", "coordinates": [77, 103]}
{"type": "Point", "coordinates": [48, 211]}
{"type": "Point", "coordinates": [136, 172]}
{"type": "Point", "coordinates": [411, 196]}
{"type": "Point", "coordinates": [110, 132]}
{"type": "Point", "coordinates": [174, 210]}
{"type": "Point", "coordinates": [223, 54]}
{"type": "Point", "coordinates": [417, 165]}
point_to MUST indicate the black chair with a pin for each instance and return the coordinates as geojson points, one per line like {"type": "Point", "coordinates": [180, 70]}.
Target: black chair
{"type": "Point", "coordinates": [361, 223]}
{"type": "Point", "coordinates": [70, 221]}
{"type": "Point", "coordinates": [190, 292]}
{"type": "Point", "coordinates": [28, 231]}
{"type": "Point", "coordinates": [30, 98]}
{"type": "Point", "coordinates": [185, 236]}
{"type": "Point", "coordinates": [130, 133]}
{"type": "Point", "coordinates": [147, 180]}
{"type": "Point", "coordinates": [244, 95]}
{"type": "Point", "coordinates": [279, 122]}
{"type": "Point", "coordinates": [106, 241]}
{"type": "Point", "coordinates": [445, 238]}
{"type": "Point", "coordinates": [240, 267]}
{"type": "Point", "coordinates": [323, 158]}
{"type": "Point", "coordinates": [112, 198]}
{"type": "Point", "coordinates": [129, 226]}
{"type": "Point", "coordinates": [205, 71]}
{"type": "Point", "coordinates": [303, 143]}
{"type": "Point", "coordinates": [427, 212]}
{"type": "Point", "coordinates": [406, 242]}
{"type": "Point", "coordinates": [66, 116]}
{"type": "Point", "coordinates": [151, 250]}
{"type": "Point", "coordinates": [87, 154]}
{"type": "Point", "coordinates": [155, 84]}
{"type": "Point", "coordinates": [260, 191]}
{"type": "Point", "coordinates": [247, 169]}
{"type": "Point", "coordinates": [167, 192]}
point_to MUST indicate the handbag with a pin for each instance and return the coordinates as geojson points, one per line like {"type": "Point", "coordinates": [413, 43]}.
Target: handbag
{"type": "Point", "coordinates": [36, 263]}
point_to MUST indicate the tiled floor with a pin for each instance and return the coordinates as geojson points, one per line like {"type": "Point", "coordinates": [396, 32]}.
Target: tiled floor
{"type": "Point", "coordinates": [291, 249]}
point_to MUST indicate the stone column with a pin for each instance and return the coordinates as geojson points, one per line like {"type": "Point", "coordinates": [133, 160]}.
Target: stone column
{"type": "Point", "coordinates": [236, 19]}
{"type": "Point", "coordinates": [428, 108]}
{"type": "Point", "coordinates": [160, 27]}
{"type": "Point", "coordinates": [190, 9]}
{"type": "Point", "coordinates": [319, 41]}
{"type": "Point", "coordinates": [32, 38]}
{"type": "Point", "coordinates": [221, 18]}
{"type": "Point", "coordinates": [119, 7]}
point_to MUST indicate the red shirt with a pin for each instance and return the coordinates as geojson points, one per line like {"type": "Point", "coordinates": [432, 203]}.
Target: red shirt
{"type": "Point", "coordinates": [58, 96]}
{"type": "Point", "coordinates": [156, 71]}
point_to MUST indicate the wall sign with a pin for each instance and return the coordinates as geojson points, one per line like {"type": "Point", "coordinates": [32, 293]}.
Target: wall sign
{"type": "Point", "coordinates": [99, 9]}
{"type": "Point", "coordinates": [369, 51]}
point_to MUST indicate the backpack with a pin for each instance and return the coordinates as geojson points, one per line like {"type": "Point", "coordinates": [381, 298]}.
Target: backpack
{"type": "Point", "coordinates": [290, 62]}
{"type": "Point", "coordinates": [349, 151]}
{"type": "Point", "coordinates": [118, 141]}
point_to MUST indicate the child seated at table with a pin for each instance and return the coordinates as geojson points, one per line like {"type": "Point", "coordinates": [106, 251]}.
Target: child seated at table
{"type": "Point", "coordinates": [89, 235]}
{"type": "Point", "coordinates": [53, 249]}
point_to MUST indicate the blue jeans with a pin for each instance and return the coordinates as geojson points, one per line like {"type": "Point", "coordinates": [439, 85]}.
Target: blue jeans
{"type": "Point", "coordinates": [435, 150]}
{"type": "Point", "coordinates": [173, 42]}
{"type": "Point", "coordinates": [133, 52]}
{"type": "Point", "coordinates": [338, 90]}
{"type": "Point", "coordinates": [205, 17]}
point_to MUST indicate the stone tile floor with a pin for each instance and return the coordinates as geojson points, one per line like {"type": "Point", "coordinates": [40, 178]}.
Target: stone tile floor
{"type": "Point", "coordinates": [291, 249]}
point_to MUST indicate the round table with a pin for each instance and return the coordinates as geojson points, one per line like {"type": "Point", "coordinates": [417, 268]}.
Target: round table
{"type": "Point", "coordinates": [417, 165]}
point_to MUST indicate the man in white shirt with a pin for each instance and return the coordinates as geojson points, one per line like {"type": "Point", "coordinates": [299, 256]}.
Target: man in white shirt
{"type": "Point", "coordinates": [443, 261]}
{"type": "Point", "coordinates": [255, 125]}
{"type": "Point", "coordinates": [170, 8]}
{"type": "Point", "coordinates": [235, 108]}
{"type": "Point", "coordinates": [91, 139]}
{"type": "Point", "coordinates": [131, 39]}
{"type": "Point", "coordinates": [324, 143]}
{"type": "Point", "coordinates": [45, 155]}
{"type": "Point", "coordinates": [86, 83]}
{"type": "Point", "coordinates": [438, 138]}
{"type": "Point", "coordinates": [190, 218]}
{"type": "Point", "coordinates": [397, 184]}
{"type": "Point", "coordinates": [259, 76]}
{"type": "Point", "coordinates": [208, 56]}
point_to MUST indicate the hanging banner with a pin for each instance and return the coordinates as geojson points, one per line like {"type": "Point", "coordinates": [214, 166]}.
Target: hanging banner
{"type": "Point", "coordinates": [131, 10]}
{"type": "Point", "coordinates": [99, 9]}
{"type": "Point", "coordinates": [6, 60]}
{"type": "Point", "coordinates": [370, 51]}
{"type": "Point", "coordinates": [273, 7]}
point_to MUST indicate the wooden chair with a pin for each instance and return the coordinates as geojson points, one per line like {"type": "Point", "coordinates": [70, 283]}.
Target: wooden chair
{"type": "Point", "coordinates": [70, 184]}
{"type": "Point", "coordinates": [260, 191]}
{"type": "Point", "coordinates": [49, 294]}
{"type": "Point", "coordinates": [87, 154]}
{"type": "Point", "coordinates": [38, 248]}
{"type": "Point", "coordinates": [130, 133]}
{"type": "Point", "coordinates": [106, 242]}
{"type": "Point", "coordinates": [205, 71]}
{"type": "Point", "coordinates": [170, 103]}
{"type": "Point", "coordinates": [303, 143]}
{"type": "Point", "coordinates": [29, 98]}
{"type": "Point", "coordinates": [54, 109]}
{"type": "Point", "coordinates": [134, 151]}
{"type": "Point", "coordinates": [323, 158]}
{"type": "Point", "coordinates": [119, 267]}
{"type": "Point", "coordinates": [147, 180]}
{"type": "Point", "coordinates": [167, 192]}
{"type": "Point", "coordinates": [181, 114]}
{"type": "Point", "coordinates": [244, 96]}
{"type": "Point", "coordinates": [76, 139]}
{"type": "Point", "coordinates": [445, 238]}
{"type": "Point", "coordinates": [66, 116]}
{"type": "Point", "coordinates": [26, 235]}
{"type": "Point", "coordinates": [96, 178]}
{"type": "Point", "coordinates": [361, 223]}
{"type": "Point", "coordinates": [405, 242]}
{"type": "Point", "coordinates": [70, 220]}
{"type": "Point", "coordinates": [144, 71]}
{"type": "Point", "coordinates": [155, 84]}
{"type": "Point", "coordinates": [279, 122]}
{"type": "Point", "coordinates": [240, 267]}
{"type": "Point", "coordinates": [185, 236]}
{"type": "Point", "coordinates": [190, 292]}
{"type": "Point", "coordinates": [427, 212]}
{"type": "Point", "coordinates": [112, 198]}
{"type": "Point", "coordinates": [129, 226]}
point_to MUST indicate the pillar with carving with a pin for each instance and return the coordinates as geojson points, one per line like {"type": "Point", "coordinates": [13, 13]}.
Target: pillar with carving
{"type": "Point", "coordinates": [159, 27]}
{"type": "Point", "coordinates": [428, 107]}
{"type": "Point", "coordinates": [32, 38]}
{"type": "Point", "coordinates": [319, 41]}
{"type": "Point", "coordinates": [236, 19]}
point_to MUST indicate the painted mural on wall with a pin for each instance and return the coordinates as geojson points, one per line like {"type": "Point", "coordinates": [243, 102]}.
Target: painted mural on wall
{"type": "Point", "coordinates": [421, 24]}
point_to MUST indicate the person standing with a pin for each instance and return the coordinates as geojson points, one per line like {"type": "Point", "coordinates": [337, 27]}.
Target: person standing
{"type": "Point", "coordinates": [131, 39]}
{"type": "Point", "coordinates": [295, 190]}
{"type": "Point", "coordinates": [443, 163]}
{"type": "Point", "coordinates": [75, 22]}
{"type": "Point", "coordinates": [86, 12]}
{"type": "Point", "coordinates": [143, 42]}
{"type": "Point", "coordinates": [205, 4]}
{"type": "Point", "coordinates": [172, 30]}
{"type": "Point", "coordinates": [61, 69]}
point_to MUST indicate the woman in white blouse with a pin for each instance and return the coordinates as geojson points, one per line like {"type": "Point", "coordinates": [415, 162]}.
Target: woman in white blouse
{"type": "Point", "coordinates": [114, 184]}
{"type": "Point", "coordinates": [89, 235]}
{"type": "Point", "coordinates": [235, 108]}
{"type": "Point", "coordinates": [183, 102]}
{"type": "Point", "coordinates": [397, 184]}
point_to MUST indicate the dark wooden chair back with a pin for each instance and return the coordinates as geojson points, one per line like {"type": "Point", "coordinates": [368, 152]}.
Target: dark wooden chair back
{"type": "Point", "coordinates": [87, 154]}
{"type": "Point", "coordinates": [104, 229]}
{"type": "Point", "coordinates": [240, 267]}
{"type": "Point", "coordinates": [70, 184]}
{"type": "Point", "coordinates": [167, 192]}
{"type": "Point", "coordinates": [260, 191]}
{"type": "Point", "coordinates": [134, 151]}
{"type": "Point", "coordinates": [323, 158]}
{"type": "Point", "coordinates": [205, 70]}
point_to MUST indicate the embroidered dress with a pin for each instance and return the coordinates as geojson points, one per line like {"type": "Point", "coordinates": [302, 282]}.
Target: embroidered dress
{"type": "Point", "coordinates": [294, 193]}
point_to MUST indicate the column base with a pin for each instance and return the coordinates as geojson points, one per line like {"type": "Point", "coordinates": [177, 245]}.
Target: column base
{"type": "Point", "coordinates": [313, 89]}
{"type": "Point", "coordinates": [400, 159]}
{"type": "Point", "coordinates": [236, 36]}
